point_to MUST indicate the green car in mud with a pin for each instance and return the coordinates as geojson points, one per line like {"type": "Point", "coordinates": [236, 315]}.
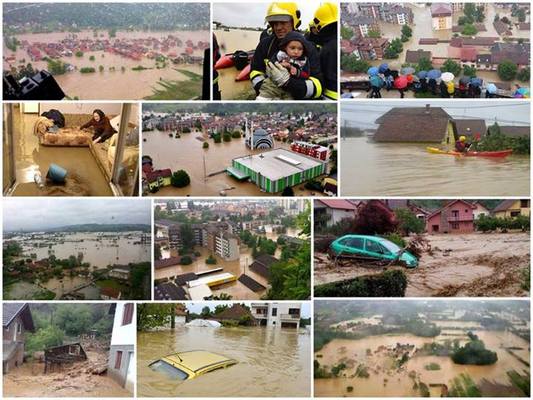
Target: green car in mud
{"type": "Point", "coordinates": [371, 248]}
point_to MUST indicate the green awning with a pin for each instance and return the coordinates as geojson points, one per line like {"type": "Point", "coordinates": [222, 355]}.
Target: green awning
{"type": "Point", "coordinates": [236, 173]}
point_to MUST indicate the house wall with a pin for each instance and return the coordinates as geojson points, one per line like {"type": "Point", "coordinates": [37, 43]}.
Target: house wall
{"type": "Point", "coordinates": [448, 223]}
{"type": "Point", "coordinates": [127, 363]}
{"type": "Point", "coordinates": [15, 360]}
{"type": "Point", "coordinates": [10, 335]}
{"type": "Point", "coordinates": [338, 215]}
{"type": "Point", "coordinates": [525, 211]}
{"type": "Point", "coordinates": [439, 23]}
{"type": "Point", "coordinates": [449, 138]}
{"type": "Point", "coordinates": [122, 334]}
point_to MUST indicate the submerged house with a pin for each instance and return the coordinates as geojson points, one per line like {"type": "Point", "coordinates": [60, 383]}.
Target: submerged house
{"type": "Point", "coordinates": [16, 321]}
{"type": "Point", "coordinates": [282, 315]}
{"type": "Point", "coordinates": [121, 366]}
{"type": "Point", "coordinates": [457, 216]}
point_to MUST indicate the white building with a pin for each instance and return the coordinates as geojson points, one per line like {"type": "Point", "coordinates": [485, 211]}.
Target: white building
{"type": "Point", "coordinates": [282, 315]}
{"type": "Point", "coordinates": [227, 246]}
{"type": "Point", "coordinates": [121, 365]}
{"type": "Point", "coordinates": [333, 211]}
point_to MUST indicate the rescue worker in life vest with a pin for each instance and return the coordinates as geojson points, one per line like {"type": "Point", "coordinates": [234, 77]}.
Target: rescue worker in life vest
{"type": "Point", "coordinates": [284, 17]}
{"type": "Point", "coordinates": [326, 24]}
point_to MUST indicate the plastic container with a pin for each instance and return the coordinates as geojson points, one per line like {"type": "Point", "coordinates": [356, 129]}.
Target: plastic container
{"type": "Point", "coordinates": [56, 173]}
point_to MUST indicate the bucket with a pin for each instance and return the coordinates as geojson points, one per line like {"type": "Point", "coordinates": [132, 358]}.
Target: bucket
{"type": "Point", "coordinates": [56, 173]}
{"type": "Point", "coordinates": [240, 58]}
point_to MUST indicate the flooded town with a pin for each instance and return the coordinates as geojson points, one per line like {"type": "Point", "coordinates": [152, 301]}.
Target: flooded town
{"type": "Point", "coordinates": [239, 150]}
{"type": "Point", "coordinates": [434, 149]}
{"type": "Point", "coordinates": [430, 348]}
{"type": "Point", "coordinates": [232, 249]}
{"type": "Point", "coordinates": [92, 259]}
{"type": "Point", "coordinates": [106, 51]}
{"type": "Point", "coordinates": [218, 349]}
{"type": "Point", "coordinates": [448, 50]}
{"type": "Point", "coordinates": [68, 350]}
{"type": "Point", "coordinates": [422, 248]}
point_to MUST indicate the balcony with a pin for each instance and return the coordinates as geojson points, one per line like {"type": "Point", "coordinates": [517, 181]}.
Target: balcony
{"type": "Point", "coordinates": [459, 218]}
{"type": "Point", "coordinates": [292, 317]}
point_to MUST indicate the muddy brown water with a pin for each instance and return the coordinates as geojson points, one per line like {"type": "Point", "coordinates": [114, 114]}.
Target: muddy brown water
{"type": "Point", "coordinates": [112, 85]}
{"type": "Point", "coordinates": [271, 362]}
{"type": "Point", "coordinates": [404, 169]}
{"type": "Point", "coordinates": [387, 382]}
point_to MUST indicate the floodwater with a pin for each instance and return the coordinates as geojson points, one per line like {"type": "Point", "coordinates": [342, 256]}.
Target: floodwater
{"type": "Point", "coordinates": [406, 169]}
{"type": "Point", "coordinates": [387, 381]}
{"type": "Point", "coordinates": [187, 153]}
{"type": "Point", "coordinates": [272, 362]}
{"type": "Point", "coordinates": [229, 42]}
{"type": "Point", "coordinates": [237, 268]}
{"type": "Point", "coordinates": [116, 84]}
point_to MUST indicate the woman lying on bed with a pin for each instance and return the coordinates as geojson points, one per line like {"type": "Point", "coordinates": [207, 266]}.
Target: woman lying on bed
{"type": "Point", "coordinates": [101, 125]}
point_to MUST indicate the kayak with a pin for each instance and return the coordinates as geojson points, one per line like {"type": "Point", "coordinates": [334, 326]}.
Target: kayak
{"type": "Point", "coordinates": [500, 153]}
{"type": "Point", "coordinates": [244, 75]}
{"type": "Point", "coordinates": [228, 60]}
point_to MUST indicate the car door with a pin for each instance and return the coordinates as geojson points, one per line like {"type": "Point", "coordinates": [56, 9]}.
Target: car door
{"type": "Point", "coordinates": [353, 245]}
{"type": "Point", "coordinates": [374, 249]}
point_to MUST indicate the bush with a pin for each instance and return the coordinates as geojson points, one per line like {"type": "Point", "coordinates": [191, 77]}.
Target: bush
{"type": "Point", "coordinates": [217, 138]}
{"type": "Point", "coordinates": [474, 353]}
{"type": "Point", "coordinates": [211, 260]}
{"type": "Point", "coordinates": [186, 260]}
{"type": "Point", "coordinates": [91, 58]}
{"type": "Point", "coordinates": [287, 192]}
{"type": "Point", "coordinates": [451, 66]}
{"type": "Point", "coordinates": [313, 185]}
{"type": "Point", "coordinates": [388, 284]}
{"type": "Point", "coordinates": [507, 70]}
{"type": "Point", "coordinates": [432, 367]}
{"type": "Point", "coordinates": [79, 54]}
{"type": "Point", "coordinates": [524, 74]}
{"type": "Point", "coordinates": [350, 63]}
{"type": "Point", "coordinates": [205, 145]}
{"type": "Point", "coordinates": [226, 137]}
{"type": "Point", "coordinates": [87, 70]}
{"type": "Point", "coordinates": [180, 179]}
{"type": "Point", "coordinates": [395, 238]}
{"type": "Point", "coordinates": [408, 222]}
{"type": "Point", "coordinates": [236, 135]}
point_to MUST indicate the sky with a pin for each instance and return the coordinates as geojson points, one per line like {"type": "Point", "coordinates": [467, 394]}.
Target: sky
{"type": "Point", "coordinates": [505, 112]}
{"type": "Point", "coordinates": [197, 307]}
{"type": "Point", "coordinates": [253, 14]}
{"type": "Point", "coordinates": [39, 213]}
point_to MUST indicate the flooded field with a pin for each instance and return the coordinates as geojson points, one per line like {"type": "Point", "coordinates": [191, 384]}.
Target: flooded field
{"type": "Point", "coordinates": [271, 362]}
{"type": "Point", "coordinates": [403, 169]}
{"type": "Point", "coordinates": [229, 42]}
{"type": "Point", "coordinates": [117, 84]}
{"type": "Point", "coordinates": [386, 381]}
{"type": "Point", "coordinates": [460, 265]}
{"type": "Point", "coordinates": [187, 153]}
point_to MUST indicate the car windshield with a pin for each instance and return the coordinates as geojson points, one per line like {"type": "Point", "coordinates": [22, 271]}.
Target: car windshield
{"type": "Point", "coordinates": [393, 248]}
{"type": "Point", "coordinates": [169, 370]}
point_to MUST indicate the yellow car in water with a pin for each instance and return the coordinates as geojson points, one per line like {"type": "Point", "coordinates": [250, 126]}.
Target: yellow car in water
{"type": "Point", "coordinates": [190, 364]}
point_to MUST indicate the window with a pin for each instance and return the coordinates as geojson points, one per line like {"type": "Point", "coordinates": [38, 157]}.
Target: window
{"type": "Point", "coordinates": [373, 247]}
{"type": "Point", "coordinates": [118, 360]}
{"type": "Point", "coordinates": [19, 328]}
{"type": "Point", "coordinates": [356, 243]}
{"type": "Point", "coordinates": [455, 225]}
{"type": "Point", "coordinates": [455, 213]}
{"type": "Point", "coordinates": [294, 311]}
{"type": "Point", "coordinates": [169, 370]}
{"type": "Point", "coordinates": [274, 312]}
{"type": "Point", "coordinates": [515, 214]}
{"type": "Point", "coordinates": [524, 203]}
{"type": "Point", "coordinates": [127, 315]}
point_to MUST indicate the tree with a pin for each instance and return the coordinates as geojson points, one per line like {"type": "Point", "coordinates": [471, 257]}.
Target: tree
{"type": "Point", "coordinates": [424, 64]}
{"type": "Point", "coordinates": [79, 53]}
{"type": "Point", "coordinates": [187, 236]}
{"type": "Point", "coordinates": [469, 30]}
{"type": "Point", "coordinates": [408, 221]}
{"type": "Point", "coordinates": [206, 312]}
{"type": "Point", "coordinates": [346, 32]}
{"type": "Point", "coordinates": [288, 191]}
{"type": "Point", "coordinates": [507, 70]}
{"type": "Point", "coordinates": [101, 68]}
{"type": "Point", "coordinates": [524, 74]}
{"type": "Point", "coordinates": [91, 58]}
{"type": "Point", "coordinates": [350, 63]}
{"type": "Point", "coordinates": [469, 71]}
{"type": "Point", "coordinates": [374, 220]}
{"type": "Point", "coordinates": [407, 31]}
{"type": "Point", "coordinates": [374, 34]}
{"type": "Point", "coordinates": [451, 66]}
{"type": "Point", "coordinates": [180, 179]}
{"type": "Point", "coordinates": [226, 137]}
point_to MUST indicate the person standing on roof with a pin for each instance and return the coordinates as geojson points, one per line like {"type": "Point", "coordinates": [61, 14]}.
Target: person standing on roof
{"type": "Point", "coordinates": [284, 17]}
{"type": "Point", "coordinates": [325, 22]}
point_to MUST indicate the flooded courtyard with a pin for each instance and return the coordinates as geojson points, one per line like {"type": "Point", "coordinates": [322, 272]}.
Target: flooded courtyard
{"type": "Point", "coordinates": [404, 169]}
{"type": "Point", "coordinates": [271, 362]}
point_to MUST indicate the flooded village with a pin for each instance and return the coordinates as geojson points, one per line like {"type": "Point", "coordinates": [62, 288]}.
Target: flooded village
{"type": "Point", "coordinates": [260, 349]}
{"type": "Point", "coordinates": [420, 50]}
{"type": "Point", "coordinates": [86, 261]}
{"type": "Point", "coordinates": [224, 249]}
{"type": "Point", "coordinates": [236, 150]}
{"type": "Point", "coordinates": [144, 51]}
{"type": "Point", "coordinates": [421, 141]}
{"type": "Point", "coordinates": [68, 350]}
{"type": "Point", "coordinates": [436, 348]}
{"type": "Point", "coordinates": [422, 248]}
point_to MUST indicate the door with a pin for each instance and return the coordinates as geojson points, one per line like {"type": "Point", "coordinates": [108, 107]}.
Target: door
{"type": "Point", "coordinates": [374, 249]}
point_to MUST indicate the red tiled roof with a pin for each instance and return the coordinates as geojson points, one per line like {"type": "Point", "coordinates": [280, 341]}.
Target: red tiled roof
{"type": "Point", "coordinates": [468, 54]}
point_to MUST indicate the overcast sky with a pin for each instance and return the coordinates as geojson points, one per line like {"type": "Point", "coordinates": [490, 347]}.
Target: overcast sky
{"type": "Point", "coordinates": [197, 307]}
{"type": "Point", "coordinates": [505, 112]}
{"type": "Point", "coordinates": [253, 14]}
{"type": "Point", "coordinates": [39, 213]}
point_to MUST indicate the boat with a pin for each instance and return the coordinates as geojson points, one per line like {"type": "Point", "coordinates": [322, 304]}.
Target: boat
{"type": "Point", "coordinates": [495, 154]}
{"type": "Point", "coordinates": [244, 75]}
{"type": "Point", "coordinates": [228, 60]}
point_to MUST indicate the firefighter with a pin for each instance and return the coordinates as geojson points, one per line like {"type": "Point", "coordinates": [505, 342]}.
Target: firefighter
{"type": "Point", "coordinates": [284, 17]}
{"type": "Point", "coordinates": [326, 24]}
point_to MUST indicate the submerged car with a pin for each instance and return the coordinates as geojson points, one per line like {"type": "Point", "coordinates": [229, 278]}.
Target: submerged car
{"type": "Point", "coordinates": [371, 247]}
{"type": "Point", "coordinates": [190, 364]}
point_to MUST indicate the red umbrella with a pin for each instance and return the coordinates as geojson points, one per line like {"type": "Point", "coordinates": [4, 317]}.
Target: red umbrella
{"type": "Point", "coordinates": [401, 82]}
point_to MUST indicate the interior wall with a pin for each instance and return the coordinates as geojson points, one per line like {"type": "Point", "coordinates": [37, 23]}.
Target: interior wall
{"type": "Point", "coordinates": [81, 108]}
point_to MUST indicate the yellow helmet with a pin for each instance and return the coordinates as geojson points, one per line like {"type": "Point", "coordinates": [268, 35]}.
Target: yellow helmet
{"type": "Point", "coordinates": [462, 138]}
{"type": "Point", "coordinates": [282, 11]}
{"type": "Point", "coordinates": [326, 14]}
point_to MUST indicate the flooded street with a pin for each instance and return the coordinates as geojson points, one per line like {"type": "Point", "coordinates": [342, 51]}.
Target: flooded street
{"type": "Point", "coordinates": [387, 381]}
{"type": "Point", "coordinates": [461, 265]}
{"type": "Point", "coordinates": [187, 153]}
{"type": "Point", "coordinates": [404, 169]}
{"type": "Point", "coordinates": [229, 42]}
{"type": "Point", "coordinates": [117, 84]}
{"type": "Point", "coordinates": [271, 362]}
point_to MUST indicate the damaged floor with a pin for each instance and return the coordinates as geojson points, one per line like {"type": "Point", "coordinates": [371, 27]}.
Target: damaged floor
{"type": "Point", "coordinates": [82, 379]}
{"type": "Point", "coordinates": [476, 264]}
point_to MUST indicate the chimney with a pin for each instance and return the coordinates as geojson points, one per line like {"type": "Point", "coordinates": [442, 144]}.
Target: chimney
{"type": "Point", "coordinates": [427, 109]}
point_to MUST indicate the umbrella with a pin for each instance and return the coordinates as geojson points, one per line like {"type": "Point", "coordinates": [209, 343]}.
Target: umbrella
{"type": "Point", "coordinates": [464, 80]}
{"type": "Point", "coordinates": [383, 67]}
{"type": "Point", "coordinates": [409, 78]}
{"type": "Point", "coordinates": [476, 81]}
{"type": "Point", "coordinates": [518, 96]}
{"type": "Point", "coordinates": [434, 74]}
{"type": "Point", "coordinates": [408, 71]}
{"type": "Point", "coordinates": [373, 71]}
{"type": "Point", "coordinates": [491, 88]}
{"type": "Point", "coordinates": [422, 74]}
{"type": "Point", "coordinates": [400, 82]}
{"type": "Point", "coordinates": [447, 77]}
{"type": "Point", "coordinates": [523, 91]}
{"type": "Point", "coordinates": [376, 81]}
